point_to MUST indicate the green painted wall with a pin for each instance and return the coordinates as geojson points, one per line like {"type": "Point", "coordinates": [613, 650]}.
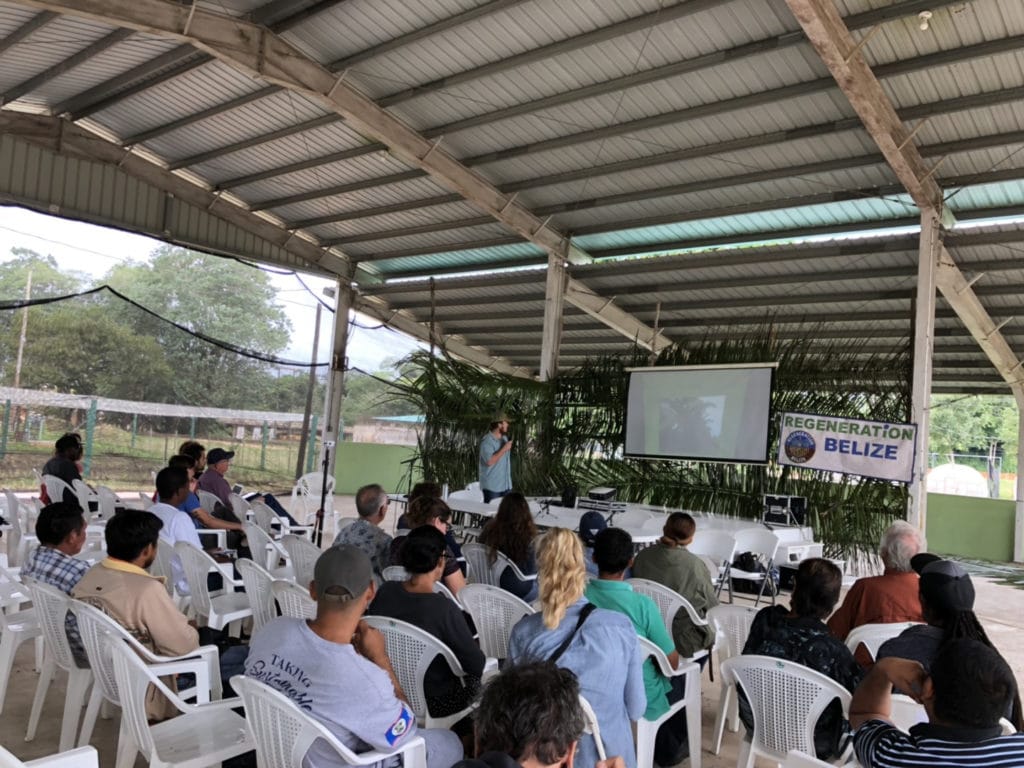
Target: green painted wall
{"type": "Point", "coordinates": [357, 464]}
{"type": "Point", "coordinates": [971, 527]}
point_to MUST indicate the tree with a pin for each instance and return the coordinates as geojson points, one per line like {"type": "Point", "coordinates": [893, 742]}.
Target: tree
{"type": "Point", "coordinates": [972, 425]}
{"type": "Point", "coordinates": [369, 395]}
{"type": "Point", "coordinates": [215, 296]}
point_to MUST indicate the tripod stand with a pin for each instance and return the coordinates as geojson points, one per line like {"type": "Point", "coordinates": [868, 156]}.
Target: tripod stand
{"type": "Point", "coordinates": [318, 525]}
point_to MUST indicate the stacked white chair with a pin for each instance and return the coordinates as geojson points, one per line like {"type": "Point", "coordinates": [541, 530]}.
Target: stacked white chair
{"type": "Point", "coordinates": [18, 538]}
{"type": "Point", "coordinates": [411, 651]}
{"type": "Point", "coordinates": [647, 730]}
{"type": "Point", "coordinates": [294, 600]}
{"type": "Point", "coordinates": [220, 609]}
{"type": "Point", "coordinates": [202, 735]}
{"type": "Point", "coordinates": [96, 629]}
{"type": "Point", "coordinates": [732, 627]}
{"type": "Point", "coordinates": [284, 733]}
{"type": "Point", "coordinates": [786, 700]}
{"type": "Point", "coordinates": [494, 611]}
{"type": "Point", "coordinates": [306, 498]}
{"type": "Point", "coordinates": [51, 607]}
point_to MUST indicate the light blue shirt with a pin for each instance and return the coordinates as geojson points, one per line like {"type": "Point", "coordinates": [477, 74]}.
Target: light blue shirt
{"type": "Point", "coordinates": [605, 655]}
{"type": "Point", "coordinates": [497, 477]}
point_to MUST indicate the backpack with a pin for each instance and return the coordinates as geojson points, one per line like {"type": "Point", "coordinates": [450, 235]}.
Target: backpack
{"type": "Point", "coordinates": [751, 563]}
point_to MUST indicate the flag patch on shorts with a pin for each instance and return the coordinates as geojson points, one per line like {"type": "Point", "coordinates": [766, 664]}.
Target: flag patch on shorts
{"type": "Point", "coordinates": [399, 728]}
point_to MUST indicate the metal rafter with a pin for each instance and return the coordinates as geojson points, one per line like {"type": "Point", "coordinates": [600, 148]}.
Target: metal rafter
{"type": "Point", "coordinates": [832, 40]}
{"type": "Point", "coordinates": [34, 24]}
{"type": "Point", "coordinates": [748, 101]}
{"type": "Point", "coordinates": [258, 51]}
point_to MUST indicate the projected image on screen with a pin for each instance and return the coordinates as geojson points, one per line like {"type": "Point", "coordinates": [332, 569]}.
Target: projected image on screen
{"type": "Point", "coordinates": [719, 414]}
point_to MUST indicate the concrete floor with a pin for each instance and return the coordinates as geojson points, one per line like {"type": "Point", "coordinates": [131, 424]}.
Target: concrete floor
{"type": "Point", "coordinates": [1000, 608]}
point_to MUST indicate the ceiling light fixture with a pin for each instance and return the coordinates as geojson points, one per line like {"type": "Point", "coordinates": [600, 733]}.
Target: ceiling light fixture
{"type": "Point", "coordinates": [925, 17]}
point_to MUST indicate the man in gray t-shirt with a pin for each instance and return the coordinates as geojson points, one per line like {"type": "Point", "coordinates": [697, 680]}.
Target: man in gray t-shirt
{"type": "Point", "coordinates": [495, 465]}
{"type": "Point", "coordinates": [336, 668]}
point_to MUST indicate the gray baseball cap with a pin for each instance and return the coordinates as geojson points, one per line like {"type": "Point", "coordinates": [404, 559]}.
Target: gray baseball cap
{"type": "Point", "coordinates": [342, 573]}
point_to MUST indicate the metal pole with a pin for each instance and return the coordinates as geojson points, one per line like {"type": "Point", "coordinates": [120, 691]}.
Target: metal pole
{"type": "Point", "coordinates": [305, 434]}
{"type": "Point", "coordinates": [24, 331]}
{"type": "Point", "coordinates": [90, 430]}
{"type": "Point", "coordinates": [265, 435]}
{"type": "Point", "coordinates": [192, 428]}
{"type": "Point", "coordinates": [7, 426]}
{"type": "Point", "coordinates": [312, 433]}
{"type": "Point", "coordinates": [135, 428]}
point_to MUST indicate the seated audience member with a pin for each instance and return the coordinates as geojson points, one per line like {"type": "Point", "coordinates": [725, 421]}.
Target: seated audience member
{"type": "Point", "coordinates": [600, 646]}
{"type": "Point", "coordinates": [202, 518]}
{"type": "Point", "coordinates": [891, 597]}
{"type": "Point", "coordinates": [530, 717]}
{"type": "Point", "coordinates": [671, 564]}
{"type": "Point", "coordinates": [365, 533]}
{"type": "Point", "coordinates": [66, 463]}
{"type": "Point", "coordinates": [60, 529]}
{"type": "Point", "coordinates": [197, 451]}
{"type": "Point", "coordinates": [969, 688]}
{"type": "Point", "coordinates": [613, 553]}
{"type": "Point", "coordinates": [947, 600]}
{"type": "Point", "coordinates": [434, 512]}
{"type": "Point", "coordinates": [512, 532]}
{"type": "Point", "coordinates": [213, 481]}
{"type": "Point", "coordinates": [799, 634]}
{"type": "Point", "coordinates": [591, 524]}
{"type": "Point", "coordinates": [432, 491]}
{"type": "Point", "coordinates": [172, 488]}
{"type": "Point", "coordinates": [414, 601]}
{"type": "Point", "coordinates": [336, 667]}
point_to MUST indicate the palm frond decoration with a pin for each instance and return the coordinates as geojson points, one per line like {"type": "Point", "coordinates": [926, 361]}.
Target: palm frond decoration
{"type": "Point", "coordinates": [569, 431]}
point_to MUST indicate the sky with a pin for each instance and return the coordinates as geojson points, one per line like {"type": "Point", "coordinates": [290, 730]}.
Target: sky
{"type": "Point", "coordinates": [94, 250]}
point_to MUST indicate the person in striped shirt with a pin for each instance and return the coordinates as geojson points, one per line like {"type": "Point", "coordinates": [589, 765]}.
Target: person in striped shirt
{"type": "Point", "coordinates": [969, 688]}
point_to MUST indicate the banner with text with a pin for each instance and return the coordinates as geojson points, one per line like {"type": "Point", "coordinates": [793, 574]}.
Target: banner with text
{"type": "Point", "coordinates": [852, 446]}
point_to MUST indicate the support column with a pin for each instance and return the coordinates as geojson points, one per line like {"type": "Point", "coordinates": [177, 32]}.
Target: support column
{"type": "Point", "coordinates": [1018, 522]}
{"type": "Point", "coordinates": [924, 342]}
{"type": "Point", "coordinates": [554, 304]}
{"type": "Point", "coordinates": [336, 382]}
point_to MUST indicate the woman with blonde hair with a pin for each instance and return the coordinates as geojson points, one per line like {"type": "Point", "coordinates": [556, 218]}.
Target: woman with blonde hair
{"type": "Point", "coordinates": [599, 645]}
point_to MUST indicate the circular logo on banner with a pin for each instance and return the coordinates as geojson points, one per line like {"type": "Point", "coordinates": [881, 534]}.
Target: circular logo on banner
{"type": "Point", "coordinates": [799, 447]}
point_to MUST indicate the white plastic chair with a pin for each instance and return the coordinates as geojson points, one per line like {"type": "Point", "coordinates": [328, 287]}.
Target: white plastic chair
{"type": "Point", "coordinates": [257, 581]}
{"type": "Point", "coordinates": [395, 573]}
{"type": "Point", "coordinates": [267, 552]}
{"type": "Point", "coordinates": [798, 759]}
{"type": "Point", "coordinates": [303, 555]}
{"type": "Point", "coordinates": [84, 757]}
{"type": "Point", "coordinates": [786, 699]}
{"type": "Point", "coordinates": [718, 548]}
{"type": "Point", "coordinates": [17, 625]}
{"type": "Point", "coordinates": [85, 495]}
{"type": "Point", "coordinates": [146, 499]}
{"type": "Point", "coordinates": [52, 609]}
{"type": "Point", "coordinates": [669, 603]}
{"type": "Point", "coordinates": [873, 635]}
{"type": "Point", "coordinates": [591, 727]}
{"type": "Point", "coordinates": [411, 650]}
{"type": "Point", "coordinates": [207, 500]}
{"type": "Point", "coordinates": [483, 571]}
{"type": "Point", "coordinates": [19, 539]}
{"type": "Point", "coordinates": [108, 502]}
{"type": "Point", "coordinates": [732, 627]}
{"type": "Point", "coordinates": [763, 543]}
{"type": "Point", "coordinates": [294, 599]}
{"type": "Point", "coordinates": [55, 488]}
{"type": "Point", "coordinates": [494, 611]}
{"type": "Point", "coordinates": [647, 730]}
{"type": "Point", "coordinates": [202, 735]}
{"type": "Point", "coordinates": [161, 567]}
{"type": "Point", "coordinates": [95, 628]}
{"type": "Point", "coordinates": [240, 507]}
{"type": "Point", "coordinates": [284, 733]}
{"type": "Point", "coordinates": [220, 610]}
{"type": "Point", "coordinates": [306, 497]}
{"type": "Point", "coordinates": [267, 519]}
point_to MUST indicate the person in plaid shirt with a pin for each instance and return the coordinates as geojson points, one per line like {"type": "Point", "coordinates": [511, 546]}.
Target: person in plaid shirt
{"type": "Point", "coordinates": [61, 532]}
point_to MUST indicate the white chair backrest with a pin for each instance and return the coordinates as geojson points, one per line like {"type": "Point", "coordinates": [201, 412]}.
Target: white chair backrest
{"type": "Point", "coordinates": [284, 733]}
{"type": "Point", "coordinates": [873, 635]}
{"type": "Point", "coordinates": [293, 599]}
{"type": "Point", "coordinates": [14, 516]}
{"type": "Point", "coordinates": [196, 564]}
{"type": "Point", "coordinates": [906, 713]}
{"type": "Point", "coordinates": [760, 541]}
{"type": "Point", "coordinates": [720, 546]}
{"type": "Point", "coordinates": [84, 494]}
{"type": "Point", "coordinates": [239, 506]}
{"type": "Point", "coordinates": [162, 565]}
{"type": "Point", "coordinates": [257, 580]}
{"type": "Point", "coordinates": [207, 500]}
{"type": "Point", "coordinates": [83, 757]}
{"type": "Point", "coordinates": [668, 601]}
{"type": "Point", "coordinates": [395, 573]}
{"type": "Point", "coordinates": [52, 609]}
{"type": "Point", "coordinates": [263, 515]}
{"type": "Point", "coordinates": [108, 501]}
{"type": "Point", "coordinates": [94, 626]}
{"type": "Point", "coordinates": [133, 680]}
{"type": "Point", "coordinates": [786, 699]}
{"type": "Point", "coordinates": [146, 499]}
{"type": "Point", "coordinates": [591, 727]}
{"type": "Point", "coordinates": [303, 553]}
{"type": "Point", "coordinates": [494, 611]}
{"type": "Point", "coordinates": [480, 567]}
{"type": "Point", "coordinates": [306, 496]}
{"type": "Point", "coordinates": [732, 627]}
{"type": "Point", "coordinates": [264, 550]}
{"type": "Point", "coordinates": [55, 488]}
{"type": "Point", "coordinates": [411, 651]}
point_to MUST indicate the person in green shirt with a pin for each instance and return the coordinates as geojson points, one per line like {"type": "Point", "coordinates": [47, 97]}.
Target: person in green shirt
{"type": "Point", "coordinates": [613, 554]}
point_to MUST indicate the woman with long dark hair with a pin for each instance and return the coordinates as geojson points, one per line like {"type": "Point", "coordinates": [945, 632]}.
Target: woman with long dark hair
{"type": "Point", "coordinates": [511, 533]}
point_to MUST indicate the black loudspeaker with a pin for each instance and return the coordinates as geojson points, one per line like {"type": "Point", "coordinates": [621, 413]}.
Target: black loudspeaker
{"type": "Point", "coordinates": [569, 496]}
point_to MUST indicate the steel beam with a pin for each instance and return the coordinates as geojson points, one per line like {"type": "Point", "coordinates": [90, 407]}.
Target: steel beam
{"type": "Point", "coordinates": [34, 24]}
{"type": "Point", "coordinates": [554, 306]}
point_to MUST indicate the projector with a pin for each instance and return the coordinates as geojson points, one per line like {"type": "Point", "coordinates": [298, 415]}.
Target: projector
{"type": "Point", "coordinates": [601, 494]}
